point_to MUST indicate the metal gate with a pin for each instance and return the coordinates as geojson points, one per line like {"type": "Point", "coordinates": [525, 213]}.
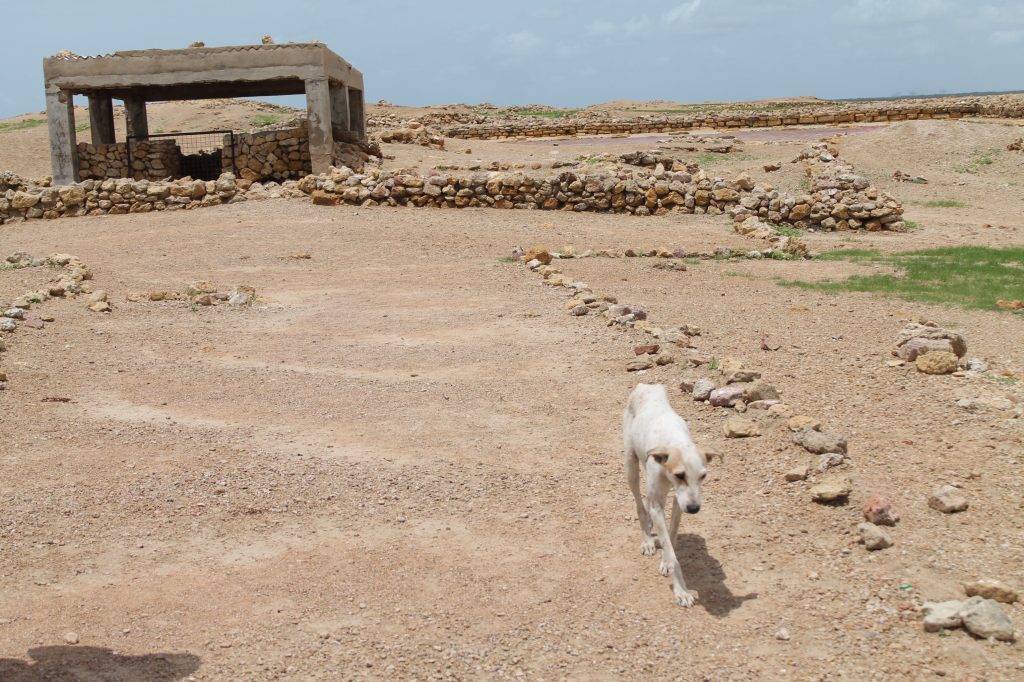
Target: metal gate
{"type": "Point", "coordinates": [201, 153]}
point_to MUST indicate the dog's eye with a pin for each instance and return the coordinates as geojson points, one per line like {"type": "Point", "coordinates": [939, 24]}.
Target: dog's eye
{"type": "Point", "coordinates": [681, 477]}
{"type": "Point", "coordinates": [703, 476]}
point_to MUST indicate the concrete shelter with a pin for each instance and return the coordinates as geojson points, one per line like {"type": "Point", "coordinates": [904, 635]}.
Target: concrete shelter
{"type": "Point", "coordinates": [333, 89]}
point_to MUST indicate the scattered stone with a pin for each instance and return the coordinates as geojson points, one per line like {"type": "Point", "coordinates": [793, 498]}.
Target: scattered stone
{"type": "Point", "coordinates": [675, 265]}
{"type": "Point", "coordinates": [242, 295]}
{"type": "Point", "coordinates": [942, 615]}
{"type": "Point", "coordinates": [937, 362]}
{"type": "Point", "coordinates": [982, 403]}
{"type": "Point", "coordinates": [771, 167]}
{"type": "Point", "coordinates": [539, 253]}
{"type": "Point", "coordinates": [71, 637]}
{"type": "Point", "coordinates": [929, 330]}
{"type": "Point", "coordinates": [100, 307]}
{"type": "Point", "coordinates": [829, 460]}
{"type": "Point", "coordinates": [878, 510]}
{"type": "Point", "coordinates": [647, 349]}
{"type": "Point", "coordinates": [664, 359]}
{"type": "Point", "coordinates": [988, 588]}
{"type": "Point", "coordinates": [797, 474]}
{"type": "Point", "coordinates": [726, 396]}
{"type": "Point", "coordinates": [874, 538]}
{"type": "Point", "coordinates": [7, 324]}
{"type": "Point", "coordinates": [832, 490]}
{"type": "Point", "coordinates": [948, 500]}
{"type": "Point", "coordinates": [97, 296]}
{"type": "Point", "coordinates": [1015, 304]}
{"type": "Point", "coordinates": [986, 619]}
{"type": "Point", "coordinates": [579, 310]}
{"type": "Point", "coordinates": [820, 442]}
{"type": "Point", "coordinates": [15, 313]}
{"type": "Point", "coordinates": [702, 389]}
{"type": "Point", "coordinates": [742, 376]}
{"type": "Point", "coordinates": [738, 427]}
{"type": "Point", "coordinates": [760, 391]}
{"type": "Point", "coordinates": [802, 421]}
{"type": "Point", "coordinates": [977, 365]}
{"type": "Point", "coordinates": [640, 363]}
{"type": "Point", "coordinates": [763, 404]}
{"type": "Point", "coordinates": [46, 317]}
{"type": "Point", "coordinates": [690, 330]}
{"type": "Point", "coordinates": [782, 635]}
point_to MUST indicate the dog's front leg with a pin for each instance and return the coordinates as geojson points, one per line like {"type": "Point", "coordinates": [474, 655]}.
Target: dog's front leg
{"type": "Point", "coordinates": [656, 492]}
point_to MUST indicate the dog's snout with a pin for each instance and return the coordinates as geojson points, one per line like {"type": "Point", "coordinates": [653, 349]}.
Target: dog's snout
{"type": "Point", "coordinates": [692, 508]}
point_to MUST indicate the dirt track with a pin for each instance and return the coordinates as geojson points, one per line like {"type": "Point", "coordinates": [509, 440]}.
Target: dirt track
{"type": "Point", "coordinates": [405, 461]}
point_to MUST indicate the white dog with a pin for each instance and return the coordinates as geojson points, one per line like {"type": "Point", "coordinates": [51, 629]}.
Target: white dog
{"type": "Point", "coordinates": [657, 439]}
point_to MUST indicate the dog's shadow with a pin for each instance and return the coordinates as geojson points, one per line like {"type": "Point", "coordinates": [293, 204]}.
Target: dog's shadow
{"type": "Point", "coordinates": [704, 574]}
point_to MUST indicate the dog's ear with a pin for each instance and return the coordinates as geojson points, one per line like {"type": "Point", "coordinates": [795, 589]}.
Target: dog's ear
{"type": "Point", "coordinates": [710, 454]}
{"type": "Point", "coordinates": [660, 455]}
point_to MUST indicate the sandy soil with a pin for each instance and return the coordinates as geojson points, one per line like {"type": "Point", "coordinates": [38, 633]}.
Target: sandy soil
{"type": "Point", "coordinates": [405, 460]}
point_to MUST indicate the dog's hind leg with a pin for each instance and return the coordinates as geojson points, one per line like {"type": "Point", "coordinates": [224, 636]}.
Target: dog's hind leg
{"type": "Point", "coordinates": [649, 545]}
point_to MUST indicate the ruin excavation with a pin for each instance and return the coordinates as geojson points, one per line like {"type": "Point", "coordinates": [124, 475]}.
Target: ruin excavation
{"type": "Point", "coordinates": [333, 391]}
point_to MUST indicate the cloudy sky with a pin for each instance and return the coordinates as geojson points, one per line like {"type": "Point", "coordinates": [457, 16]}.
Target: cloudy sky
{"type": "Point", "coordinates": [569, 52]}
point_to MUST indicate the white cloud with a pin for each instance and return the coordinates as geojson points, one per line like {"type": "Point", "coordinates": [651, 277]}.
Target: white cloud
{"type": "Point", "coordinates": [522, 41]}
{"type": "Point", "coordinates": [895, 10]}
{"type": "Point", "coordinates": [600, 27]}
{"type": "Point", "coordinates": [682, 12]}
{"type": "Point", "coordinates": [636, 26]}
{"type": "Point", "coordinates": [1007, 37]}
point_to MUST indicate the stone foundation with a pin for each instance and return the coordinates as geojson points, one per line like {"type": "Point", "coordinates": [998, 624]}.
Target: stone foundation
{"type": "Point", "coordinates": [269, 155]}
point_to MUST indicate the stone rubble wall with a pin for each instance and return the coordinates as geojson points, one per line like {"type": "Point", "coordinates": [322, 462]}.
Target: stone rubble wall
{"type": "Point", "coordinates": [151, 160]}
{"type": "Point", "coordinates": [668, 124]}
{"type": "Point", "coordinates": [269, 155]}
{"type": "Point", "coordinates": [100, 197]}
{"type": "Point", "coordinates": [837, 202]}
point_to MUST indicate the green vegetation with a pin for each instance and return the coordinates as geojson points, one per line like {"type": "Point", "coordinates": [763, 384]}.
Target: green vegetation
{"type": "Point", "coordinates": [713, 364]}
{"type": "Point", "coordinates": [712, 158]}
{"type": "Point", "coordinates": [944, 203]}
{"type": "Point", "coordinates": [553, 113]}
{"type": "Point", "coordinates": [267, 119]}
{"type": "Point", "coordinates": [81, 127]}
{"type": "Point", "coordinates": [965, 276]}
{"type": "Point", "coordinates": [506, 259]}
{"type": "Point", "coordinates": [978, 161]}
{"type": "Point", "coordinates": [911, 224]}
{"type": "Point", "coordinates": [9, 126]}
{"type": "Point", "coordinates": [787, 230]}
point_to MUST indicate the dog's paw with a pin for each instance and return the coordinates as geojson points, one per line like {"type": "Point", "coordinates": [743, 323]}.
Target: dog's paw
{"type": "Point", "coordinates": [683, 597]}
{"type": "Point", "coordinates": [648, 547]}
{"type": "Point", "coordinates": [664, 568]}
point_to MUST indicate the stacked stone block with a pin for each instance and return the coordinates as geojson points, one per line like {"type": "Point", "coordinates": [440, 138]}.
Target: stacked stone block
{"type": "Point", "coordinates": [151, 160]}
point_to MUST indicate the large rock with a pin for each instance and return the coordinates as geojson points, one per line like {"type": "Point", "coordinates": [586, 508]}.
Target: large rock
{"type": "Point", "coordinates": [702, 389]}
{"type": "Point", "coordinates": [832, 490]}
{"type": "Point", "coordinates": [879, 511]}
{"type": "Point", "coordinates": [920, 346]}
{"type": "Point", "coordinates": [938, 362]}
{"type": "Point", "coordinates": [929, 330]}
{"type": "Point", "coordinates": [873, 537]}
{"type": "Point", "coordinates": [948, 500]}
{"type": "Point", "coordinates": [991, 589]}
{"type": "Point", "coordinates": [726, 396]}
{"type": "Point", "coordinates": [985, 618]}
{"type": "Point", "coordinates": [760, 390]}
{"type": "Point", "coordinates": [942, 615]}
{"type": "Point", "coordinates": [820, 442]}
{"type": "Point", "coordinates": [739, 427]}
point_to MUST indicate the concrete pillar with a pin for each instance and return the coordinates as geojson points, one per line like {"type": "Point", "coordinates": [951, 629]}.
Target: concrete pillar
{"type": "Point", "coordinates": [356, 114]}
{"type": "Point", "coordinates": [339, 106]}
{"type": "Point", "coordinates": [60, 115]}
{"type": "Point", "coordinates": [101, 118]}
{"type": "Point", "coordinates": [135, 115]}
{"type": "Point", "coordinates": [318, 115]}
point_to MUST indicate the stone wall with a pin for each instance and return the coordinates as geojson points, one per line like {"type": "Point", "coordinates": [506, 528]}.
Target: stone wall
{"type": "Point", "coordinates": [151, 160]}
{"type": "Point", "coordinates": [99, 197]}
{"type": "Point", "coordinates": [837, 202]}
{"type": "Point", "coordinates": [667, 124]}
{"type": "Point", "coordinates": [269, 155]}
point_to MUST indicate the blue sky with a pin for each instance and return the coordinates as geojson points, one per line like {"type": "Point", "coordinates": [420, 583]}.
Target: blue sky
{"type": "Point", "coordinates": [567, 53]}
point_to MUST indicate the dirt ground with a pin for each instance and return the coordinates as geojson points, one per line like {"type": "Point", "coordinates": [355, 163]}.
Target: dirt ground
{"type": "Point", "coordinates": [404, 461]}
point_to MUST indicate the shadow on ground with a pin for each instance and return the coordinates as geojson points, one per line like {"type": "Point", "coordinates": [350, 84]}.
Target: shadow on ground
{"type": "Point", "coordinates": [704, 574]}
{"type": "Point", "coordinates": [73, 663]}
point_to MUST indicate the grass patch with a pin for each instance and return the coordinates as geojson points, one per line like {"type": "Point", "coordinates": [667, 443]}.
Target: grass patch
{"type": "Point", "coordinates": [27, 124]}
{"type": "Point", "coordinates": [912, 224]}
{"type": "Point", "coordinates": [553, 113]}
{"type": "Point", "coordinates": [979, 161]}
{"type": "Point", "coordinates": [692, 261]}
{"type": "Point", "coordinates": [944, 203]}
{"type": "Point", "coordinates": [267, 119]}
{"type": "Point", "coordinates": [712, 158]}
{"type": "Point", "coordinates": [81, 127]}
{"type": "Point", "coordinates": [506, 259]}
{"type": "Point", "coordinates": [965, 276]}
{"type": "Point", "coordinates": [787, 230]}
